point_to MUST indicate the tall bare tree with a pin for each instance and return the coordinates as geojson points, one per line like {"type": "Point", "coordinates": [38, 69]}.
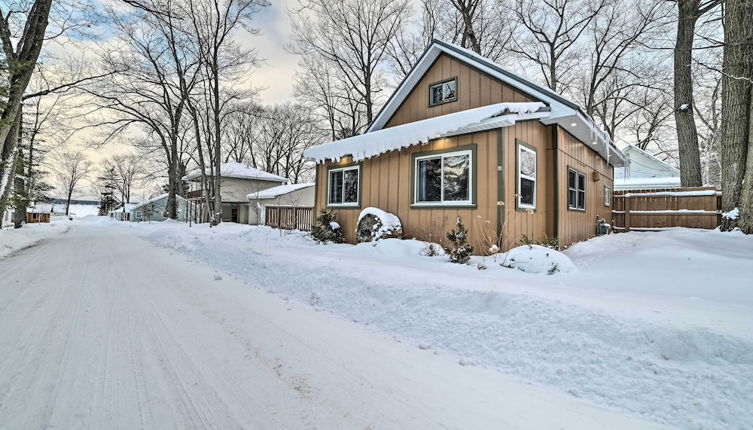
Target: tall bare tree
{"type": "Point", "coordinates": [689, 11]}
{"type": "Point", "coordinates": [353, 37]}
{"type": "Point", "coordinates": [69, 169]}
{"type": "Point", "coordinates": [547, 34]}
{"type": "Point", "coordinates": [737, 114]}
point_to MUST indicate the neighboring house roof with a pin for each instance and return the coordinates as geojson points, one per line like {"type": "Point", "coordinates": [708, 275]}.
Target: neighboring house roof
{"type": "Point", "coordinates": [654, 162]}
{"type": "Point", "coordinates": [40, 209]}
{"type": "Point", "coordinates": [281, 190]}
{"type": "Point", "coordinates": [413, 133]}
{"type": "Point", "coordinates": [646, 183]}
{"type": "Point", "coordinates": [564, 112]}
{"type": "Point", "coordinates": [126, 207]}
{"type": "Point", "coordinates": [153, 200]}
{"type": "Point", "coordinates": [239, 171]}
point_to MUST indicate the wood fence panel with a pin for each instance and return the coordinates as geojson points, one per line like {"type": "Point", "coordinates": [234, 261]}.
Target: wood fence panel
{"type": "Point", "coordinates": [289, 217]}
{"type": "Point", "coordinates": [694, 207]}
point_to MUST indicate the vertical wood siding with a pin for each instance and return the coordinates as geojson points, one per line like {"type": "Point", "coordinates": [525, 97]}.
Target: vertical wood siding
{"type": "Point", "coordinates": [575, 226]}
{"type": "Point", "coordinates": [475, 89]}
{"type": "Point", "coordinates": [386, 184]}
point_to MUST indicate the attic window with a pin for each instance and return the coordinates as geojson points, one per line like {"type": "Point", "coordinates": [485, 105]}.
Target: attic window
{"type": "Point", "coordinates": [443, 92]}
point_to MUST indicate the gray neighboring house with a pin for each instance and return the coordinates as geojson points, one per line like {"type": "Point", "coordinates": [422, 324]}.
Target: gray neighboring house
{"type": "Point", "coordinates": [644, 171]}
{"type": "Point", "coordinates": [297, 195]}
{"type": "Point", "coordinates": [238, 181]}
{"type": "Point", "coordinates": [152, 209]}
{"type": "Point", "coordinates": [123, 211]}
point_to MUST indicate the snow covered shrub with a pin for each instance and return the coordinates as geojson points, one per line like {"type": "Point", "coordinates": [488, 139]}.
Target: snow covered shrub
{"type": "Point", "coordinates": [375, 224]}
{"type": "Point", "coordinates": [537, 259]}
{"type": "Point", "coordinates": [432, 250]}
{"type": "Point", "coordinates": [459, 250]}
{"type": "Point", "coordinates": [326, 229]}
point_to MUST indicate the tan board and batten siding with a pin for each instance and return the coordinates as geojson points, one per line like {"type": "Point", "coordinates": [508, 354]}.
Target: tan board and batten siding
{"type": "Point", "coordinates": [386, 180]}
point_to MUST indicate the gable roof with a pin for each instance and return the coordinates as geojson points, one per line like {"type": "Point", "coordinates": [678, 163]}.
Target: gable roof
{"type": "Point", "coordinates": [632, 148]}
{"type": "Point", "coordinates": [414, 133]}
{"type": "Point", "coordinates": [238, 171]}
{"type": "Point", "coordinates": [153, 200]}
{"type": "Point", "coordinates": [564, 112]}
{"type": "Point", "coordinates": [277, 191]}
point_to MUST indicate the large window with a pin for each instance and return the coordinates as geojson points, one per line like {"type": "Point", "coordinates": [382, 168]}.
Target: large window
{"type": "Point", "coordinates": [526, 177]}
{"type": "Point", "coordinates": [443, 179]}
{"type": "Point", "coordinates": [607, 196]}
{"type": "Point", "coordinates": [342, 186]}
{"type": "Point", "coordinates": [576, 190]}
{"type": "Point", "coordinates": [443, 92]}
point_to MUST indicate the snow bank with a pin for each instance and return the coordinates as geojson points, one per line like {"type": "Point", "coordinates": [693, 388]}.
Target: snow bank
{"type": "Point", "coordinates": [538, 259]}
{"type": "Point", "coordinates": [655, 324]}
{"type": "Point", "coordinates": [733, 214]}
{"type": "Point", "coordinates": [14, 239]}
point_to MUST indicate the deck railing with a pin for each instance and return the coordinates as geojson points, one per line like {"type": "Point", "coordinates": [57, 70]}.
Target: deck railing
{"type": "Point", "coordinates": [289, 217]}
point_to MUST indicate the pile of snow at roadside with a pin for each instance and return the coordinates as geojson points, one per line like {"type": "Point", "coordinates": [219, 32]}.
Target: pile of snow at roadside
{"type": "Point", "coordinates": [14, 239]}
{"type": "Point", "coordinates": [538, 259]}
{"type": "Point", "coordinates": [636, 328]}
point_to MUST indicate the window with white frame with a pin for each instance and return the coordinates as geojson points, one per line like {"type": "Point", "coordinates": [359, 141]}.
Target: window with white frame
{"type": "Point", "coordinates": [576, 190]}
{"type": "Point", "coordinates": [139, 214]}
{"type": "Point", "coordinates": [526, 177]}
{"type": "Point", "coordinates": [443, 179]}
{"type": "Point", "coordinates": [443, 92]}
{"type": "Point", "coordinates": [342, 186]}
{"type": "Point", "coordinates": [607, 196]}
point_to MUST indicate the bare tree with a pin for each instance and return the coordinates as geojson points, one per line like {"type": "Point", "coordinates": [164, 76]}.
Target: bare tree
{"type": "Point", "coordinates": [547, 34]}
{"type": "Point", "coordinates": [353, 37]}
{"type": "Point", "coordinates": [737, 115]}
{"type": "Point", "coordinates": [687, 136]}
{"type": "Point", "coordinates": [21, 42]}
{"type": "Point", "coordinates": [69, 168]}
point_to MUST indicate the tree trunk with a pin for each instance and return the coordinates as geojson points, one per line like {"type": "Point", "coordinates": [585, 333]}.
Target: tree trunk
{"type": "Point", "coordinates": [687, 135]}
{"type": "Point", "coordinates": [8, 161]}
{"type": "Point", "coordinates": [21, 203]}
{"type": "Point", "coordinates": [68, 202]}
{"type": "Point", "coordinates": [737, 110]}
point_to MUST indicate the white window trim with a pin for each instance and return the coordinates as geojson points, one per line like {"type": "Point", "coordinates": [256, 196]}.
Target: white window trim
{"type": "Point", "coordinates": [139, 214]}
{"type": "Point", "coordinates": [442, 201]}
{"type": "Point", "coordinates": [441, 84]}
{"type": "Point", "coordinates": [522, 205]}
{"type": "Point", "coordinates": [577, 175]}
{"type": "Point", "coordinates": [342, 191]}
{"type": "Point", "coordinates": [607, 196]}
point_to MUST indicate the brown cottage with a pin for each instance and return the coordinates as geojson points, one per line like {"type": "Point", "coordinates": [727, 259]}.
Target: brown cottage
{"type": "Point", "coordinates": [462, 137]}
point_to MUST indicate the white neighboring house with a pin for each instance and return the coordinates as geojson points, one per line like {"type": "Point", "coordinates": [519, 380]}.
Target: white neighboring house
{"type": "Point", "coordinates": [298, 195]}
{"type": "Point", "coordinates": [644, 171]}
{"type": "Point", "coordinates": [123, 212]}
{"type": "Point", "coordinates": [237, 181]}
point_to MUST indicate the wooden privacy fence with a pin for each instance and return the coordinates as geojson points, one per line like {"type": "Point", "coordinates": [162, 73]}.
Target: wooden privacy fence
{"type": "Point", "coordinates": [659, 209]}
{"type": "Point", "coordinates": [289, 217]}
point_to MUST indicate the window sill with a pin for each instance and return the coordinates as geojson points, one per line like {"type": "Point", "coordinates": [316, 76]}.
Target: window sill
{"type": "Point", "coordinates": [443, 206]}
{"type": "Point", "coordinates": [344, 206]}
{"type": "Point", "coordinates": [575, 209]}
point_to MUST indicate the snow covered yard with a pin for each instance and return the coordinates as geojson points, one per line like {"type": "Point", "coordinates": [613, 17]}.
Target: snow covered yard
{"type": "Point", "coordinates": [655, 324]}
{"type": "Point", "coordinates": [11, 240]}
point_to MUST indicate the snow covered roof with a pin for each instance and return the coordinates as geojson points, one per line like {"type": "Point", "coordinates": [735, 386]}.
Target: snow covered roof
{"type": "Point", "coordinates": [646, 183]}
{"type": "Point", "coordinates": [632, 148]}
{"type": "Point", "coordinates": [40, 209]}
{"type": "Point", "coordinates": [564, 112]}
{"type": "Point", "coordinates": [237, 170]}
{"type": "Point", "coordinates": [152, 200]}
{"type": "Point", "coordinates": [273, 192]}
{"type": "Point", "coordinates": [126, 207]}
{"type": "Point", "coordinates": [413, 133]}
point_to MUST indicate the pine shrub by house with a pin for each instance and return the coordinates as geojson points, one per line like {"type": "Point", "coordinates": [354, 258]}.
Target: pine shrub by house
{"type": "Point", "coordinates": [326, 229]}
{"type": "Point", "coordinates": [459, 249]}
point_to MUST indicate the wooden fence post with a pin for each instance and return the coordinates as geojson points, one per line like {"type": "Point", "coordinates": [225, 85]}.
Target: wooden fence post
{"type": "Point", "coordinates": [626, 207]}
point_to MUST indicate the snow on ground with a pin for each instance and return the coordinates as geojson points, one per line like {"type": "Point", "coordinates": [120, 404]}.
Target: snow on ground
{"type": "Point", "coordinates": [11, 240]}
{"type": "Point", "coordinates": [655, 324]}
{"type": "Point", "coordinates": [100, 329]}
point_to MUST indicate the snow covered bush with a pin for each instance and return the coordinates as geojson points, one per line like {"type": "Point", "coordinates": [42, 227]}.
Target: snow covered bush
{"type": "Point", "coordinates": [459, 250]}
{"type": "Point", "coordinates": [375, 224]}
{"type": "Point", "coordinates": [432, 249]}
{"type": "Point", "coordinates": [537, 259]}
{"type": "Point", "coordinates": [326, 229]}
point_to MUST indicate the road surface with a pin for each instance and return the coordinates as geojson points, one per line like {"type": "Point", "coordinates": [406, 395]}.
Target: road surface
{"type": "Point", "coordinates": [100, 329]}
